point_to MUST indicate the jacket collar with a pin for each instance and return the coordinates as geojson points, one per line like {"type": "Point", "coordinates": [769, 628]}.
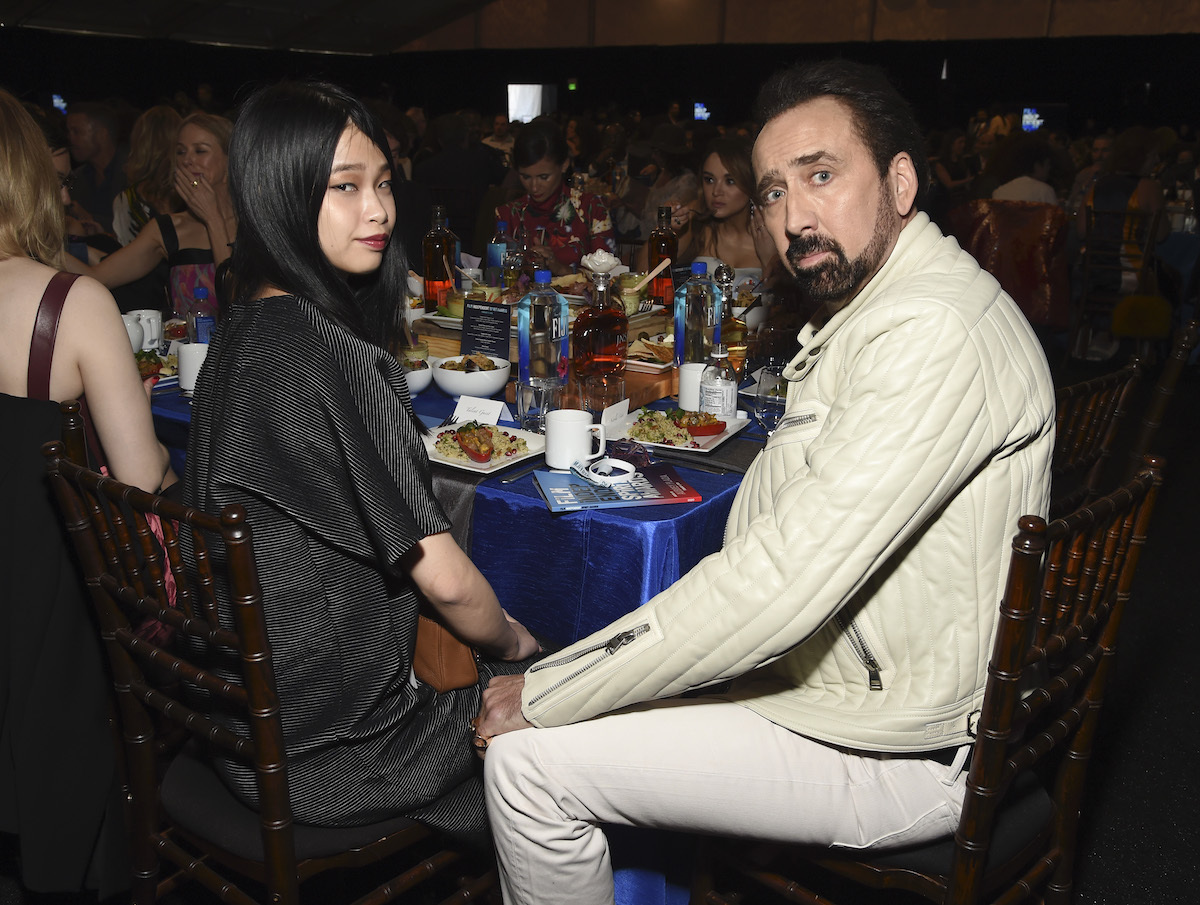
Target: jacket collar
{"type": "Point", "coordinates": [915, 239]}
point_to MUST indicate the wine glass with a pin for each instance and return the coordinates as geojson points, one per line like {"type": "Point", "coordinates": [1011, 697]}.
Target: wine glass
{"type": "Point", "coordinates": [770, 397]}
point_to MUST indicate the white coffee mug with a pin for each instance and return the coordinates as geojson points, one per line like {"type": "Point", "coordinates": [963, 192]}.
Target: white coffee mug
{"type": "Point", "coordinates": [569, 438]}
{"type": "Point", "coordinates": [191, 357]}
{"type": "Point", "coordinates": [151, 321]}
{"type": "Point", "coordinates": [689, 385]}
{"type": "Point", "coordinates": [133, 327]}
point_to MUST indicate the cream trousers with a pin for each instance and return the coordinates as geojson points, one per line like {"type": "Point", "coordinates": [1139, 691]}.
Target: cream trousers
{"type": "Point", "coordinates": [702, 765]}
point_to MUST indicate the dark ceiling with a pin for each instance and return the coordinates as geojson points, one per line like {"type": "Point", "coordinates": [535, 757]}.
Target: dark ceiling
{"type": "Point", "coordinates": [361, 27]}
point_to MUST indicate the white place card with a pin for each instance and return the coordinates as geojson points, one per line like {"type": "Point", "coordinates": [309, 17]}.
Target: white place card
{"type": "Point", "coordinates": [615, 413]}
{"type": "Point", "coordinates": [473, 408]}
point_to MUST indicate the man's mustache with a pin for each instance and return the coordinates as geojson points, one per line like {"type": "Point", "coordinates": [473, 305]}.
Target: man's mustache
{"type": "Point", "coordinates": [802, 246]}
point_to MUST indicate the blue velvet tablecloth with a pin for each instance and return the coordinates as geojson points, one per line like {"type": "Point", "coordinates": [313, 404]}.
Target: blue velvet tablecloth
{"type": "Point", "coordinates": [568, 575]}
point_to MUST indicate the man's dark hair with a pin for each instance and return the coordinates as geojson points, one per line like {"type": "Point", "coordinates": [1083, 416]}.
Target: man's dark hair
{"type": "Point", "coordinates": [882, 118]}
{"type": "Point", "coordinates": [1028, 152]}
{"type": "Point", "coordinates": [52, 123]}
{"type": "Point", "coordinates": [101, 115]}
{"type": "Point", "coordinates": [452, 130]}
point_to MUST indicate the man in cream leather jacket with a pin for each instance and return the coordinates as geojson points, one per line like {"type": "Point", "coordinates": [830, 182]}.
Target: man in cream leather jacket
{"type": "Point", "coordinates": [855, 598]}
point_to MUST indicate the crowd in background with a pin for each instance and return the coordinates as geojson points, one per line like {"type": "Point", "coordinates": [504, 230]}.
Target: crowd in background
{"type": "Point", "coordinates": [122, 168]}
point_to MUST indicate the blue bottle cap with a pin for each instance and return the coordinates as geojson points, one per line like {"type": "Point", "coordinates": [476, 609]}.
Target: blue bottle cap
{"type": "Point", "coordinates": [541, 276]}
{"type": "Point", "coordinates": [700, 267]}
{"type": "Point", "coordinates": [502, 225]}
{"type": "Point", "coordinates": [201, 292]}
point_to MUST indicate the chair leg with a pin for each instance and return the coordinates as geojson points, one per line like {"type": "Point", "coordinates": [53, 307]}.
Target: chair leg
{"type": "Point", "coordinates": [143, 827]}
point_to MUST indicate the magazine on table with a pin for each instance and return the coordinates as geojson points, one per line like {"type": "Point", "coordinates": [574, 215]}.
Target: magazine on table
{"type": "Point", "coordinates": [653, 485]}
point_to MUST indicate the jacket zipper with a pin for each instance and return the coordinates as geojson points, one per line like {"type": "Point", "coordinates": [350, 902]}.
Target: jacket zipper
{"type": "Point", "coordinates": [604, 650]}
{"type": "Point", "coordinates": [793, 420]}
{"type": "Point", "coordinates": [850, 630]}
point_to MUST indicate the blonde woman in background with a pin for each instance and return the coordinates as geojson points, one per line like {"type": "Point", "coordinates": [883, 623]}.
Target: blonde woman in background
{"type": "Point", "coordinates": [150, 172]}
{"type": "Point", "coordinates": [56, 754]}
{"type": "Point", "coordinates": [194, 241]}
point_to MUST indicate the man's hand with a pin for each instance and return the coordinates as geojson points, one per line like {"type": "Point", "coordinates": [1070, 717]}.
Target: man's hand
{"type": "Point", "coordinates": [501, 710]}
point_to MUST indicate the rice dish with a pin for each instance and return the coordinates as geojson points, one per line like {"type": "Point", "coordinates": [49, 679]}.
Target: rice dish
{"type": "Point", "coordinates": [504, 445]}
{"type": "Point", "coordinates": [655, 427]}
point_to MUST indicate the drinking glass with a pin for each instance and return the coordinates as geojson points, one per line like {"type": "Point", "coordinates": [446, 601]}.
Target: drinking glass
{"type": "Point", "coordinates": [533, 402]}
{"type": "Point", "coordinates": [601, 391]}
{"type": "Point", "coordinates": [770, 397]}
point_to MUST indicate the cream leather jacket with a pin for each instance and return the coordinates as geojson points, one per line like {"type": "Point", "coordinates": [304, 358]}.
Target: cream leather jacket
{"type": "Point", "coordinates": [856, 595]}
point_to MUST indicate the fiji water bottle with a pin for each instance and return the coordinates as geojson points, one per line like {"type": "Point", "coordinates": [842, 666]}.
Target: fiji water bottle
{"type": "Point", "coordinates": [697, 315]}
{"type": "Point", "coordinates": [542, 362]}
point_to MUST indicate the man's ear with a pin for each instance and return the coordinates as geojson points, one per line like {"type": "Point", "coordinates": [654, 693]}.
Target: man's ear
{"type": "Point", "coordinates": [902, 183]}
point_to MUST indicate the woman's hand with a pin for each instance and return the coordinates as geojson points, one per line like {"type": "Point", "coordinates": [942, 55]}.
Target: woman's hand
{"type": "Point", "coordinates": [81, 223]}
{"type": "Point", "coordinates": [547, 260]}
{"type": "Point", "coordinates": [200, 197]}
{"type": "Point", "coordinates": [527, 645]}
{"type": "Point", "coordinates": [212, 208]}
{"type": "Point", "coordinates": [681, 216]}
{"type": "Point", "coordinates": [764, 246]}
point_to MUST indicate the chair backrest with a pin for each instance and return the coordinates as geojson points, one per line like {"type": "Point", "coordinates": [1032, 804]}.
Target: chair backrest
{"type": "Point", "coordinates": [1055, 643]}
{"type": "Point", "coordinates": [1088, 420]}
{"type": "Point", "coordinates": [1155, 410]}
{"type": "Point", "coordinates": [1118, 251]}
{"type": "Point", "coordinates": [125, 567]}
{"type": "Point", "coordinates": [74, 434]}
{"type": "Point", "coordinates": [1024, 246]}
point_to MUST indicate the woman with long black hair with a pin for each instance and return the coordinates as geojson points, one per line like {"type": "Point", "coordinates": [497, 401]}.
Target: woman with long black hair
{"type": "Point", "coordinates": [303, 417]}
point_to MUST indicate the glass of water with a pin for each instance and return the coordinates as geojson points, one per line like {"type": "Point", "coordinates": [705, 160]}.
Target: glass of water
{"type": "Point", "coordinates": [770, 397]}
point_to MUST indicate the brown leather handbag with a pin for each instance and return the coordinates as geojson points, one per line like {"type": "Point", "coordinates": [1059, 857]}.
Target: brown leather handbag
{"type": "Point", "coordinates": [441, 660]}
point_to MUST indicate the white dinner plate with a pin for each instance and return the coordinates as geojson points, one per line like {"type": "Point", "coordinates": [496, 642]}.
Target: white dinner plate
{"type": "Point", "coordinates": [536, 444]}
{"type": "Point", "coordinates": [733, 427]}
{"type": "Point", "coordinates": [648, 367]}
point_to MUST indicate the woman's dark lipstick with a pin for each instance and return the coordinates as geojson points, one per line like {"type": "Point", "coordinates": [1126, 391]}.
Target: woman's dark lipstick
{"type": "Point", "coordinates": [376, 243]}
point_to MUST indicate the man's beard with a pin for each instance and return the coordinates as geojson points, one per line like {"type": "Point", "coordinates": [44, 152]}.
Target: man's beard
{"type": "Point", "coordinates": [837, 279]}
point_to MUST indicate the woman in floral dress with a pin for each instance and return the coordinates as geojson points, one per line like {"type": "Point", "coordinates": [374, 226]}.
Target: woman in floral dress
{"type": "Point", "coordinates": [560, 224]}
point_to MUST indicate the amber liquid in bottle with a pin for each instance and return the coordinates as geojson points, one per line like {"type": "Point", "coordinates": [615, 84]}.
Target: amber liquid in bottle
{"type": "Point", "coordinates": [734, 336]}
{"type": "Point", "coordinates": [438, 247]}
{"type": "Point", "coordinates": [600, 336]}
{"type": "Point", "coordinates": [662, 244]}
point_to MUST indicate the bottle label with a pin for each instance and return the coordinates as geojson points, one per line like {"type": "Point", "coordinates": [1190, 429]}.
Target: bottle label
{"type": "Point", "coordinates": [495, 254]}
{"type": "Point", "coordinates": [719, 398]}
{"type": "Point", "coordinates": [541, 338]}
{"type": "Point", "coordinates": [204, 327]}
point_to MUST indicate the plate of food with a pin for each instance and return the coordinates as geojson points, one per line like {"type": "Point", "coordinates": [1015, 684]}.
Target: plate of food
{"type": "Point", "coordinates": [151, 364]}
{"type": "Point", "coordinates": [482, 447]}
{"type": "Point", "coordinates": [697, 432]}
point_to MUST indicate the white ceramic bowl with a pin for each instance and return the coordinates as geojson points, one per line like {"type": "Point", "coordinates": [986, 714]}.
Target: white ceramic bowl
{"type": "Point", "coordinates": [419, 380]}
{"type": "Point", "coordinates": [471, 383]}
